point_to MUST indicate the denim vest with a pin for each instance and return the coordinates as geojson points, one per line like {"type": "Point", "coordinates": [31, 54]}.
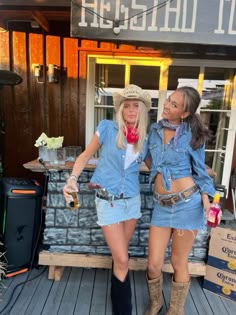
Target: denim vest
{"type": "Point", "coordinates": [110, 172]}
{"type": "Point", "coordinates": [180, 161]}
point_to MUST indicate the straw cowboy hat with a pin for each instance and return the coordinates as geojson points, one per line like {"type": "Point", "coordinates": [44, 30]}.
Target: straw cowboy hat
{"type": "Point", "coordinates": [131, 92]}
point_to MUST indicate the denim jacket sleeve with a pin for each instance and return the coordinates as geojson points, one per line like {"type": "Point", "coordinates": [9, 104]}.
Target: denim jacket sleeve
{"type": "Point", "coordinates": [103, 130]}
{"type": "Point", "coordinates": [199, 173]}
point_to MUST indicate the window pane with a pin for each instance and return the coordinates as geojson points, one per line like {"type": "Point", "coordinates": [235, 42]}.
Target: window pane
{"type": "Point", "coordinates": [216, 158]}
{"type": "Point", "coordinates": [146, 77]}
{"type": "Point", "coordinates": [115, 76]}
{"type": "Point", "coordinates": [218, 123]}
{"type": "Point", "coordinates": [216, 98]}
{"type": "Point", "coordinates": [216, 92]}
{"type": "Point", "coordinates": [108, 77]}
{"type": "Point", "coordinates": [182, 75]}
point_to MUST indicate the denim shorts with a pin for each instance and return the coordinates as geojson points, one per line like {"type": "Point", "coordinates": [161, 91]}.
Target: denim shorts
{"type": "Point", "coordinates": [117, 210]}
{"type": "Point", "coordinates": [186, 214]}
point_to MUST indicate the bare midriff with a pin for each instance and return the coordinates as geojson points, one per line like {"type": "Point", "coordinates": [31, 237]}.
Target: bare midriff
{"type": "Point", "coordinates": [175, 186]}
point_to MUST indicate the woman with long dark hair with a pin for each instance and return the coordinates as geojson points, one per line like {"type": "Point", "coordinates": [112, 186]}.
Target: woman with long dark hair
{"type": "Point", "coordinates": [181, 194]}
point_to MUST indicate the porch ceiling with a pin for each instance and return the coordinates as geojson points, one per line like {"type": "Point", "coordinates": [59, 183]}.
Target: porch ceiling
{"type": "Point", "coordinates": [43, 12]}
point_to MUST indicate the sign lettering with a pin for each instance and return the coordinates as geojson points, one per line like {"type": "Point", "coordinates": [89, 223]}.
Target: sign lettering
{"type": "Point", "coordinates": [193, 21]}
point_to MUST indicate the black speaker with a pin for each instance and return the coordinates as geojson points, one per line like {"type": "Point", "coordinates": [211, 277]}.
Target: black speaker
{"type": "Point", "coordinates": [21, 206]}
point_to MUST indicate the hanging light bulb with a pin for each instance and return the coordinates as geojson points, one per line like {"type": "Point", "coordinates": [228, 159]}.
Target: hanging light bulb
{"type": "Point", "coordinates": [116, 27]}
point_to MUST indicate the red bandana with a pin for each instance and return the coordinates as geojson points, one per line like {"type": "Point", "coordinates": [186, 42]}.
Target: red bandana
{"type": "Point", "coordinates": [131, 134]}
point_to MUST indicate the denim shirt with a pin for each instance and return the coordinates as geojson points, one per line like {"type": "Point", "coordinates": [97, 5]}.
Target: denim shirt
{"type": "Point", "coordinates": [180, 161]}
{"type": "Point", "coordinates": [110, 171]}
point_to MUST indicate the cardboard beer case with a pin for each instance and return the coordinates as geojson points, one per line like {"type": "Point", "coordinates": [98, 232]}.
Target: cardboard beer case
{"type": "Point", "coordinates": [220, 282]}
{"type": "Point", "coordinates": [220, 275]}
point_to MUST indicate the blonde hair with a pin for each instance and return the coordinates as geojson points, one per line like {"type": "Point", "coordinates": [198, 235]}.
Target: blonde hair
{"type": "Point", "coordinates": [141, 124]}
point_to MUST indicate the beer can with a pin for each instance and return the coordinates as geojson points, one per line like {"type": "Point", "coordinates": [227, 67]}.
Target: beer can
{"type": "Point", "coordinates": [74, 203]}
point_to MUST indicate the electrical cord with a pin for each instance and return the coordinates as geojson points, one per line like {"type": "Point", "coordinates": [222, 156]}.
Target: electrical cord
{"type": "Point", "coordinates": [12, 294]}
{"type": "Point", "coordinates": [34, 250]}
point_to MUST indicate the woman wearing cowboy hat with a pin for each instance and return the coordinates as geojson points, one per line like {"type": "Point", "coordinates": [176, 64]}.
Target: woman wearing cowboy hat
{"type": "Point", "coordinates": [123, 146]}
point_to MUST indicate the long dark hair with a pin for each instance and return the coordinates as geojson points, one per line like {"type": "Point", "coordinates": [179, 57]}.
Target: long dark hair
{"type": "Point", "coordinates": [200, 132]}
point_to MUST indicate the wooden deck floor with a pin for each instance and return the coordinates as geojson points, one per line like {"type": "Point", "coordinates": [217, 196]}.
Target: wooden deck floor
{"type": "Point", "coordinates": [86, 292]}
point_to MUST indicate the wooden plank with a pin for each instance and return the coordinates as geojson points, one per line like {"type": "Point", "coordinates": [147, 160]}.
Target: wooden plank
{"type": "Point", "coordinates": [80, 288]}
{"type": "Point", "coordinates": [39, 114]}
{"type": "Point", "coordinates": [99, 261]}
{"type": "Point", "coordinates": [58, 273]}
{"type": "Point", "coordinates": [53, 50]}
{"type": "Point", "coordinates": [51, 272]}
{"type": "Point", "coordinates": [4, 286]}
{"type": "Point", "coordinates": [229, 305]}
{"type": "Point", "coordinates": [108, 301]}
{"type": "Point", "coordinates": [141, 293]}
{"type": "Point", "coordinates": [71, 111]}
{"type": "Point", "coordinates": [41, 19]}
{"type": "Point", "coordinates": [85, 292]}
{"type": "Point", "coordinates": [195, 268]}
{"type": "Point", "coordinates": [17, 110]}
{"type": "Point", "coordinates": [190, 304]}
{"type": "Point", "coordinates": [55, 295]}
{"type": "Point", "coordinates": [198, 295]}
{"type": "Point", "coordinates": [74, 260]}
{"type": "Point", "coordinates": [72, 288]}
{"type": "Point", "coordinates": [45, 3]}
{"type": "Point", "coordinates": [4, 51]}
{"type": "Point", "coordinates": [98, 302]}
{"type": "Point", "coordinates": [28, 290]}
{"type": "Point", "coordinates": [133, 295]}
{"type": "Point", "coordinates": [40, 296]}
{"type": "Point", "coordinates": [217, 306]}
{"type": "Point", "coordinates": [16, 281]}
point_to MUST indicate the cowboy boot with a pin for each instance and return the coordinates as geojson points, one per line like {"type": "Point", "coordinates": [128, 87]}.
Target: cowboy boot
{"type": "Point", "coordinates": [155, 295]}
{"type": "Point", "coordinates": [178, 294]}
{"type": "Point", "coordinates": [121, 296]}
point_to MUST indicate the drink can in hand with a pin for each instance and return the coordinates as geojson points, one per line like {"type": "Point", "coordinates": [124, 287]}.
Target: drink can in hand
{"type": "Point", "coordinates": [74, 203]}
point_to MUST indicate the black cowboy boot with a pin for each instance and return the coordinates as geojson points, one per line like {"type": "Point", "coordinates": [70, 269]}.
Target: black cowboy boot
{"type": "Point", "coordinates": [121, 296]}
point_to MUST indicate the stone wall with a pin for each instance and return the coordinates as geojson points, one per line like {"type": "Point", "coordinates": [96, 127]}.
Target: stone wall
{"type": "Point", "coordinates": [76, 231]}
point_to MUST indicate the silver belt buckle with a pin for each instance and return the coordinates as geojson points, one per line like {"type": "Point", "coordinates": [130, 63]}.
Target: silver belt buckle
{"type": "Point", "coordinates": [102, 192]}
{"type": "Point", "coordinates": [162, 203]}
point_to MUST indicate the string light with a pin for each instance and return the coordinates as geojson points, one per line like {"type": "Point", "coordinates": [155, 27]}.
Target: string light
{"type": "Point", "coordinates": [116, 22]}
{"type": "Point", "coordinates": [116, 27]}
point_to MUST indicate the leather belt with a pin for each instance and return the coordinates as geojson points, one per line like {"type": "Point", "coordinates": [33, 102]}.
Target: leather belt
{"type": "Point", "coordinates": [169, 201]}
{"type": "Point", "coordinates": [110, 197]}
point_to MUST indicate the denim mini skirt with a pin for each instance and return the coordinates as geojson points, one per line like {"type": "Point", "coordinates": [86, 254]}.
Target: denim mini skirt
{"type": "Point", "coordinates": [118, 210]}
{"type": "Point", "coordinates": [185, 214]}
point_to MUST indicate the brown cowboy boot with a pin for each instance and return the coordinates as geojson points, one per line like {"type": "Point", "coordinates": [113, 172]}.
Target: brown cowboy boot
{"type": "Point", "coordinates": [155, 295]}
{"type": "Point", "coordinates": [178, 294]}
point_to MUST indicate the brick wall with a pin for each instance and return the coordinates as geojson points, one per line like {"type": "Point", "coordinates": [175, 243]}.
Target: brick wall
{"type": "Point", "coordinates": [77, 231]}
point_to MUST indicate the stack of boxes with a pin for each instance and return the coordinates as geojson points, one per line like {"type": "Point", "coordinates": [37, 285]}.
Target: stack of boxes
{"type": "Point", "coordinates": [220, 275]}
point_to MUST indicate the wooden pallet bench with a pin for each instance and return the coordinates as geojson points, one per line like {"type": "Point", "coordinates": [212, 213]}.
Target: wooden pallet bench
{"type": "Point", "coordinates": [58, 261]}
